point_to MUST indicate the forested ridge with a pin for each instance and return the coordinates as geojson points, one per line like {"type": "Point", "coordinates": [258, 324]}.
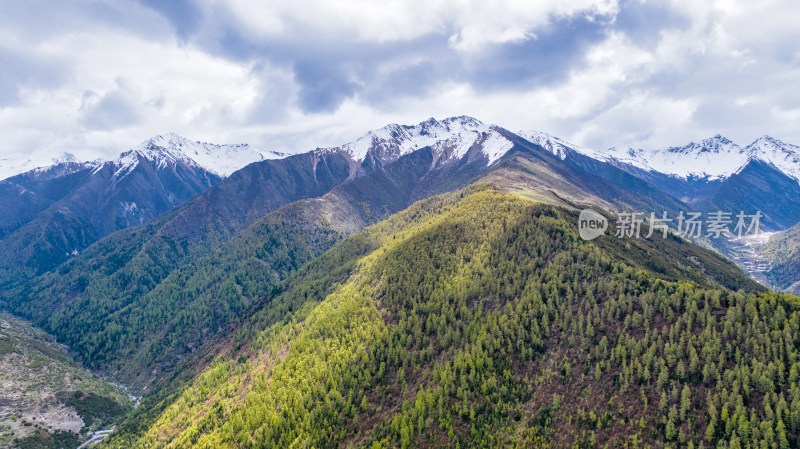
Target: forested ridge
{"type": "Point", "coordinates": [138, 301]}
{"type": "Point", "coordinates": [134, 304]}
{"type": "Point", "coordinates": [478, 319]}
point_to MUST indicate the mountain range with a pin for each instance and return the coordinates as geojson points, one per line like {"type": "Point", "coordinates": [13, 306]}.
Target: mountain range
{"type": "Point", "coordinates": [441, 261]}
{"type": "Point", "coordinates": [52, 213]}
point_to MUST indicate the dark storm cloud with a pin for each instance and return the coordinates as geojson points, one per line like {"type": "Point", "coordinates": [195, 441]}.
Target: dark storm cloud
{"type": "Point", "coordinates": [323, 85]}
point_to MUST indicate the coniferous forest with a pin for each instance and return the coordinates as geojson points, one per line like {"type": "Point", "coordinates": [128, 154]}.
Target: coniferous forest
{"type": "Point", "coordinates": [478, 319]}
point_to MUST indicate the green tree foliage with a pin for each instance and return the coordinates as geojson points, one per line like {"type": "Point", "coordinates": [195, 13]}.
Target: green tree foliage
{"type": "Point", "coordinates": [487, 322]}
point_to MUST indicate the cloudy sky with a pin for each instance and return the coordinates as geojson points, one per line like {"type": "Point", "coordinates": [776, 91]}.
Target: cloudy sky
{"type": "Point", "coordinates": [96, 77]}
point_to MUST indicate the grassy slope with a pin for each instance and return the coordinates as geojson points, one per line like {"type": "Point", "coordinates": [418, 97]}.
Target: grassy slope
{"type": "Point", "coordinates": [44, 396]}
{"type": "Point", "coordinates": [485, 322]}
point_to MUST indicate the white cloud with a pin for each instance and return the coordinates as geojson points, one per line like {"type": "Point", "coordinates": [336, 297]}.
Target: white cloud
{"type": "Point", "coordinates": [478, 23]}
{"type": "Point", "coordinates": [471, 24]}
{"type": "Point", "coordinates": [97, 82]}
{"type": "Point", "coordinates": [122, 89]}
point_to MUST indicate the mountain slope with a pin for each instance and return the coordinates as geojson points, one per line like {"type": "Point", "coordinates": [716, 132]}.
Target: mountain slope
{"type": "Point", "coordinates": [181, 289]}
{"type": "Point", "coordinates": [467, 320]}
{"type": "Point", "coordinates": [129, 263]}
{"type": "Point", "coordinates": [46, 399]}
{"type": "Point", "coordinates": [14, 166]}
{"type": "Point", "coordinates": [57, 212]}
{"type": "Point", "coordinates": [54, 212]}
{"type": "Point", "coordinates": [138, 302]}
{"type": "Point", "coordinates": [26, 195]}
{"type": "Point", "coordinates": [155, 327]}
{"type": "Point", "coordinates": [783, 252]}
{"type": "Point", "coordinates": [562, 176]}
{"type": "Point", "coordinates": [759, 186]}
{"type": "Point", "coordinates": [712, 175]}
{"type": "Point", "coordinates": [241, 270]}
{"type": "Point", "coordinates": [165, 313]}
{"type": "Point", "coordinates": [710, 159]}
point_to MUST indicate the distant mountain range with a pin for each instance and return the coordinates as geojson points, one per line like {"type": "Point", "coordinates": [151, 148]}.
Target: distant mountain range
{"type": "Point", "coordinates": [221, 160]}
{"type": "Point", "coordinates": [53, 212]}
{"type": "Point", "coordinates": [714, 174]}
{"type": "Point", "coordinates": [711, 159]}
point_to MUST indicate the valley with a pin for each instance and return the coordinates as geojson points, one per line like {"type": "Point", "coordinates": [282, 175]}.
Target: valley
{"type": "Point", "coordinates": [46, 399]}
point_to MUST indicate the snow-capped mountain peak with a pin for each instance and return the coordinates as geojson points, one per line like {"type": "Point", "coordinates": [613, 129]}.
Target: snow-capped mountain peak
{"type": "Point", "coordinates": [11, 167]}
{"type": "Point", "coordinates": [149, 150]}
{"type": "Point", "coordinates": [784, 156]}
{"type": "Point", "coordinates": [162, 150]}
{"type": "Point", "coordinates": [717, 144]}
{"type": "Point", "coordinates": [221, 160]}
{"type": "Point", "coordinates": [766, 146]}
{"type": "Point", "coordinates": [713, 158]}
{"type": "Point", "coordinates": [64, 157]}
{"type": "Point", "coordinates": [451, 138]}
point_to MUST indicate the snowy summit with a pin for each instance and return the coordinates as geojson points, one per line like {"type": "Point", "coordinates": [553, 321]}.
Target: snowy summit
{"type": "Point", "coordinates": [221, 160]}
{"type": "Point", "coordinates": [452, 137]}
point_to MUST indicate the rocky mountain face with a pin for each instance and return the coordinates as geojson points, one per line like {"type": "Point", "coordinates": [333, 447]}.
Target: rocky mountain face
{"type": "Point", "coordinates": [54, 213]}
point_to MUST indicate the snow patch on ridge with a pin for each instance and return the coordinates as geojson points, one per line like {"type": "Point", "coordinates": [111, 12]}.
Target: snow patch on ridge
{"type": "Point", "coordinates": [221, 160]}
{"type": "Point", "coordinates": [556, 145]}
{"type": "Point", "coordinates": [711, 159]}
{"type": "Point", "coordinates": [495, 146]}
{"type": "Point", "coordinates": [11, 167]}
{"type": "Point", "coordinates": [453, 137]}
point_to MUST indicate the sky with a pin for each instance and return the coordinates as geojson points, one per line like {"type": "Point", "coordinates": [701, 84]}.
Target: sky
{"type": "Point", "coordinates": [96, 77]}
